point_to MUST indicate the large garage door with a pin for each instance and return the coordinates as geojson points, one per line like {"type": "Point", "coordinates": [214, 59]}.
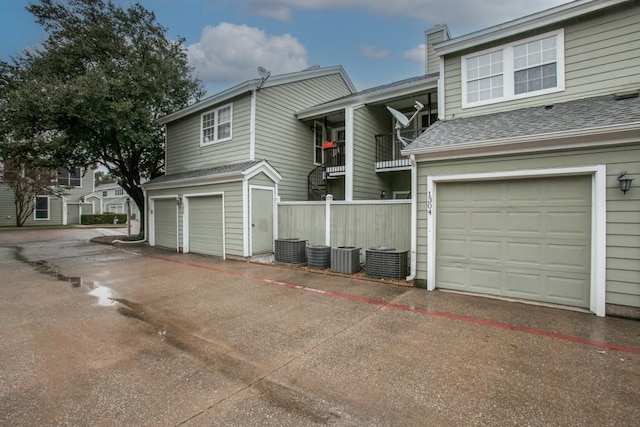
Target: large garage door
{"type": "Point", "coordinates": [525, 238]}
{"type": "Point", "coordinates": [165, 223]}
{"type": "Point", "coordinates": [205, 225]}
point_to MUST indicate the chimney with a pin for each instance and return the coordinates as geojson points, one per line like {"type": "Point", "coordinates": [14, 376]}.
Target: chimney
{"type": "Point", "coordinates": [437, 34]}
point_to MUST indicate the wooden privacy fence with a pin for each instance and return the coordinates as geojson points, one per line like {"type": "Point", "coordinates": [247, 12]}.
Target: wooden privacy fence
{"type": "Point", "coordinates": [364, 224]}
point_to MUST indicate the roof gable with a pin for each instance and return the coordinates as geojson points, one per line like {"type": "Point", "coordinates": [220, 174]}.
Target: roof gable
{"type": "Point", "coordinates": [256, 84]}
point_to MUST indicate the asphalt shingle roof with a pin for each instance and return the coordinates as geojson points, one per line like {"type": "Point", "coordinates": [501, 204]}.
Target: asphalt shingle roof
{"type": "Point", "coordinates": [209, 172]}
{"type": "Point", "coordinates": [559, 117]}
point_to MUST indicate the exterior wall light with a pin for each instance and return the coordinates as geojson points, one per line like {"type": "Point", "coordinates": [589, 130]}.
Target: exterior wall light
{"type": "Point", "coordinates": [625, 181]}
{"type": "Point", "coordinates": [383, 194]}
{"type": "Point", "coordinates": [178, 200]}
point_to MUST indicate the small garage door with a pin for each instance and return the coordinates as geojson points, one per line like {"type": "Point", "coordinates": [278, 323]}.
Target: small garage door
{"type": "Point", "coordinates": [205, 225]}
{"type": "Point", "coordinates": [165, 223]}
{"type": "Point", "coordinates": [525, 238]}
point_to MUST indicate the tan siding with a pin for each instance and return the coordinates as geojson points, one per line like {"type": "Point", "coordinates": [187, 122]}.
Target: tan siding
{"type": "Point", "coordinates": [284, 141]}
{"type": "Point", "coordinates": [261, 179]}
{"type": "Point", "coordinates": [184, 152]}
{"type": "Point", "coordinates": [623, 221]}
{"type": "Point", "coordinates": [433, 60]}
{"type": "Point", "coordinates": [602, 55]}
{"type": "Point", "coordinates": [368, 123]}
{"type": "Point", "coordinates": [233, 203]}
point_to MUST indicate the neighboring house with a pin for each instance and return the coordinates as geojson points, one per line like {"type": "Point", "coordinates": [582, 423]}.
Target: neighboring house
{"type": "Point", "coordinates": [517, 183]}
{"type": "Point", "coordinates": [228, 159]}
{"type": "Point", "coordinates": [50, 209]}
{"type": "Point", "coordinates": [109, 198]}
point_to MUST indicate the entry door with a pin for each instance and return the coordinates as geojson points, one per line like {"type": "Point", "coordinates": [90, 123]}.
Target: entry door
{"type": "Point", "coordinates": [261, 220]}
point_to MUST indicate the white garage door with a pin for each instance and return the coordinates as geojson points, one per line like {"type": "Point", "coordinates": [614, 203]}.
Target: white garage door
{"type": "Point", "coordinates": [165, 223]}
{"type": "Point", "coordinates": [205, 225]}
{"type": "Point", "coordinates": [526, 238]}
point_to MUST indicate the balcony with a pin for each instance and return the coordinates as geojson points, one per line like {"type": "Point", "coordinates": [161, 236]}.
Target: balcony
{"type": "Point", "coordinates": [334, 160]}
{"type": "Point", "coordinates": [388, 148]}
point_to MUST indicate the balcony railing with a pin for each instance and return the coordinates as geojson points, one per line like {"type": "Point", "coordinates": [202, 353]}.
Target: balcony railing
{"type": "Point", "coordinates": [334, 159]}
{"type": "Point", "coordinates": [388, 148]}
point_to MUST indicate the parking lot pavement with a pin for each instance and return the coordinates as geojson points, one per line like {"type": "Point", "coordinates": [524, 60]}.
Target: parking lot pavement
{"type": "Point", "coordinates": [130, 335]}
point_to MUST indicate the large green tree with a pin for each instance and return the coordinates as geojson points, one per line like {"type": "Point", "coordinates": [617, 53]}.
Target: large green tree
{"type": "Point", "coordinates": [93, 91]}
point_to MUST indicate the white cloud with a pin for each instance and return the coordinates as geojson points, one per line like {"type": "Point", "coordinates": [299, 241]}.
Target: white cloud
{"type": "Point", "coordinates": [458, 13]}
{"type": "Point", "coordinates": [416, 54]}
{"type": "Point", "coordinates": [229, 54]}
{"type": "Point", "coordinates": [373, 52]}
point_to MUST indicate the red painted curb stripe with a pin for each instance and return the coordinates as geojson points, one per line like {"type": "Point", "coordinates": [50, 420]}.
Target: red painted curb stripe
{"type": "Point", "coordinates": [442, 314]}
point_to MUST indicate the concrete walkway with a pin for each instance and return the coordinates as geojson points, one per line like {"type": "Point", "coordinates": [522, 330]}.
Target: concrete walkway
{"type": "Point", "coordinates": [197, 341]}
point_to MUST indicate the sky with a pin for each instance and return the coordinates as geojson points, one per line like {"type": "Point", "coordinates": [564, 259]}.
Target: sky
{"type": "Point", "coordinates": [376, 41]}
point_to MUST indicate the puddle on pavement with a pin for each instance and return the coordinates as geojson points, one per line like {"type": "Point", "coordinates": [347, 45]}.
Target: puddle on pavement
{"type": "Point", "coordinates": [103, 293]}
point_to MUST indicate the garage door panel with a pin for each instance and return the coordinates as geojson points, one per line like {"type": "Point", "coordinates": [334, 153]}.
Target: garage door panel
{"type": "Point", "coordinates": [483, 250]}
{"type": "Point", "coordinates": [569, 256]}
{"type": "Point", "coordinates": [568, 224]}
{"type": "Point", "coordinates": [454, 277]}
{"type": "Point", "coordinates": [519, 253]}
{"type": "Point", "coordinates": [485, 281]}
{"type": "Point", "coordinates": [521, 238]}
{"type": "Point", "coordinates": [523, 285]}
{"type": "Point", "coordinates": [524, 191]}
{"type": "Point", "coordinates": [454, 249]}
{"type": "Point", "coordinates": [491, 193]}
{"type": "Point", "coordinates": [453, 222]}
{"type": "Point", "coordinates": [568, 291]}
{"type": "Point", "coordinates": [486, 221]}
{"type": "Point", "coordinates": [524, 222]}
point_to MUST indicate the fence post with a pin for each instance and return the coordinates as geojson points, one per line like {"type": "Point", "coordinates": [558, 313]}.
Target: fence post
{"type": "Point", "coordinates": [327, 220]}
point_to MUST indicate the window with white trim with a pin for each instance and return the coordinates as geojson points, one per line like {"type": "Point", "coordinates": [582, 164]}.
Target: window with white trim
{"type": "Point", "coordinates": [42, 208]}
{"type": "Point", "coordinates": [70, 179]}
{"type": "Point", "coordinates": [319, 137]}
{"type": "Point", "coordinates": [216, 125]}
{"type": "Point", "coordinates": [119, 191]}
{"type": "Point", "coordinates": [530, 67]}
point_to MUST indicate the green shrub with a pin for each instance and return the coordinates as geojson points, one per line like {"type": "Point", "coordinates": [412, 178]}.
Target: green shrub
{"type": "Point", "coordinates": [107, 218]}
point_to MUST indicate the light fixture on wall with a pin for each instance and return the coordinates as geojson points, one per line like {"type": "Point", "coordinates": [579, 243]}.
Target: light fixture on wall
{"type": "Point", "coordinates": [178, 200]}
{"type": "Point", "coordinates": [383, 194]}
{"type": "Point", "coordinates": [624, 179]}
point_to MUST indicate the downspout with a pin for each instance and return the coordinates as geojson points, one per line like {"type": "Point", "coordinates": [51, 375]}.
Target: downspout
{"type": "Point", "coordinates": [252, 126]}
{"type": "Point", "coordinates": [414, 217]}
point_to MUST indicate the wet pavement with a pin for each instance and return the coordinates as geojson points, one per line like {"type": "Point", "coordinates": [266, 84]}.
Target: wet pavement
{"type": "Point", "coordinates": [129, 335]}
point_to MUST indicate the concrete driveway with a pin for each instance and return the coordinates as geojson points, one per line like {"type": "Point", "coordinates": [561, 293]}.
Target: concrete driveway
{"type": "Point", "coordinates": [199, 341]}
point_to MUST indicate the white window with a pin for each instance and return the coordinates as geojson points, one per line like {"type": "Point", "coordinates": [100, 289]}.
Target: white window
{"type": "Point", "coordinates": [119, 191]}
{"type": "Point", "coordinates": [319, 137]}
{"type": "Point", "coordinates": [104, 193]}
{"type": "Point", "coordinates": [525, 68]}
{"type": "Point", "coordinates": [216, 125]}
{"type": "Point", "coordinates": [42, 208]}
{"type": "Point", "coordinates": [70, 179]}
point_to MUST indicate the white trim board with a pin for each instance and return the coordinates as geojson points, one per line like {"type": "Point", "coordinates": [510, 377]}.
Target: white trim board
{"type": "Point", "coordinates": [597, 289]}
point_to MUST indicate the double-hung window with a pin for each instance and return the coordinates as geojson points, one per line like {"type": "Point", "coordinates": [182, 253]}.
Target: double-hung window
{"type": "Point", "coordinates": [70, 179]}
{"type": "Point", "coordinates": [119, 191]}
{"type": "Point", "coordinates": [42, 208]}
{"type": "Point", "coordinates": [530, 67]}
{"type": "Point", "coordinates": [216, 125]}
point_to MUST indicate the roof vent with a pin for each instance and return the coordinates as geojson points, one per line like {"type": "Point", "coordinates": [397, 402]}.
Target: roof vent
{"type": "Point", "coordinates": [626, 95]}
{"type": "Point", "coordinates": [548, 107]}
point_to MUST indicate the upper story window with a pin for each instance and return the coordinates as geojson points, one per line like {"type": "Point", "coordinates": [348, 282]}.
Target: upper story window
{"type": "Point", "coordinates": [216, 125]}
{"type": "Point", "coordinates": [70, 179]}
{"type": "Point", "coordinates": [530, 67]}
{"type": "Point", "coordinates": [42, 208]}
{"type": "Point", "coordinates": [119, 191]}
{"type": "Point", "coordinates": [104, 193]}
